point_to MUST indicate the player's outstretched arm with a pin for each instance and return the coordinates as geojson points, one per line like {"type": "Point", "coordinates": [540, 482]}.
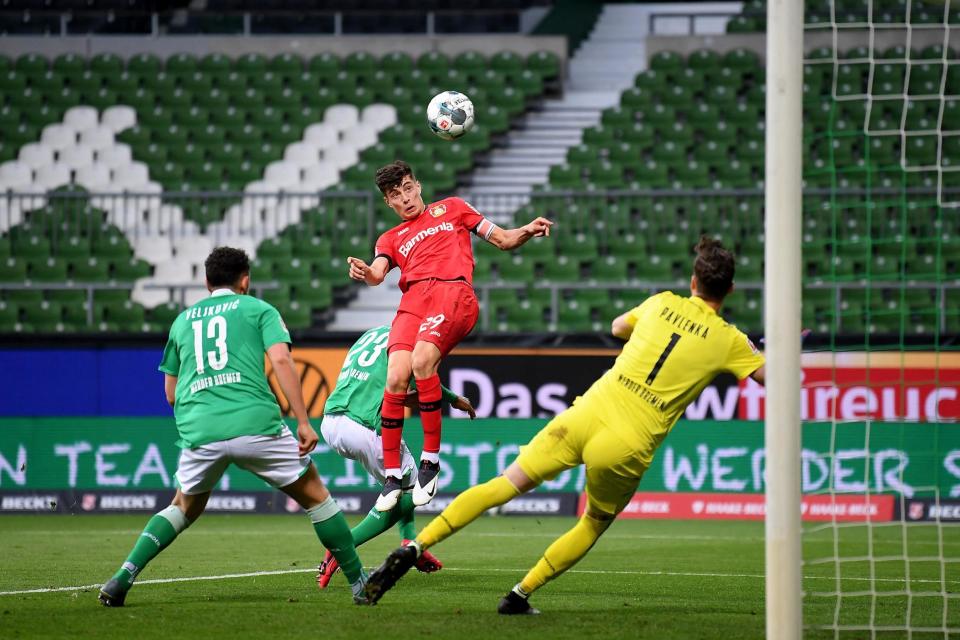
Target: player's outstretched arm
{"type": "Point", "coordinates": [760, 375]}
{"type": "Point", "coordinates": [289, 380]}
{"type": "Point", "coordinates": [508, 239]}
{"type": "Point", "coordinates": [373, 274]}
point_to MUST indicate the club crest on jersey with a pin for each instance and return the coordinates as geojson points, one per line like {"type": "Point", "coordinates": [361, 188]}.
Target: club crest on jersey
{"type": "Point", "coordinates": [438, 210]}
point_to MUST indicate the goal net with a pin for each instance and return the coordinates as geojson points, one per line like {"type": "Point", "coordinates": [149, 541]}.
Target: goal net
{"type": "Point", "coordinates": [881, 247]}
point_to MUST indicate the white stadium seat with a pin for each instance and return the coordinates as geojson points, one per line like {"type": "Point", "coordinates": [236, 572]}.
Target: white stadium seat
{"type": "Point", "coordinates": [115, 156]}
{"type": "Point", "coordinates": [283, 175]}
{"type": "Point", "coordinates": [193, 296]}
{"type": "Point", "coordinates": [35, 155]}
{"type": "Point", "coordinates": [165, 219]}
{"type": "Point", "coordinates": [98, 137]}
{"type": "Point", "coordinates": [52, 176]}
{"type": "Point", "coordinates": [81, 117]}
{"type": "Point", "coordinates": [342, 156]}
{"type": "Point", "coordinates": [173, 271]}
{"type": "Point", "coordinates": [378, 116]}
{"type": "Point", "coordinates": [342, 116]}
{"type": "Point", "coordinates": [58, 136]}
{"type": "Point", "coordinates": [192, 249]}
{"type": "Point", "coordinates": [76, 157]}
{"type": "Point", "coordinates": [302, 154]}
{"type": "Point", "coordinates": [119, 117]}
{"type": "Point", "coordinates": [93, 177]}
{"type": "Point", "coordinates": [320, 176]}
{"type": "Point", "coordinates": [148, 296]}
{"type": "Point", "coordinates": [246, 243]}
{"type": "Point", "coordinates": [153, 249]}
{"type": "Point", "coordinates": [322, 136]}
{"type": "Point", "coordinates": [130, 176]}
{"type": "Point", "coordinates": [360, 138]}
{"type": "Point", "coordinates": [14, 173]}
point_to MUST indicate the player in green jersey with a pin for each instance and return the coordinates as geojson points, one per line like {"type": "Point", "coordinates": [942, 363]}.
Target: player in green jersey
{"type": "Point", "coordinates": [351, 426]}
{"type": "Point", "coordinates": [227, 414]}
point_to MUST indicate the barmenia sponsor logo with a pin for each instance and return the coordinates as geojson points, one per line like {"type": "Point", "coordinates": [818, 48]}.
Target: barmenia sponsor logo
{"type": "Point", "coordinates": [407, 246]}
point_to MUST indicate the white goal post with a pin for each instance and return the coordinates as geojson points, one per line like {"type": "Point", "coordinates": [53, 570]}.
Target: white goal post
{"type": "Point", "coordinates": [782, 292]}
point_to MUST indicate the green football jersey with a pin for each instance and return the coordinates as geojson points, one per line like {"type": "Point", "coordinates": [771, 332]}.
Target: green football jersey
{"type": "Point", "coordinates": [362, 379]}
{"type": "Point", "coordinates": [216, 350]}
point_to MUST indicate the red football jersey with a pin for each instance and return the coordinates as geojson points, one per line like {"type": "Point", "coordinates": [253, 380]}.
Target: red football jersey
{"type": "Point", "coordinates": [435, 244]}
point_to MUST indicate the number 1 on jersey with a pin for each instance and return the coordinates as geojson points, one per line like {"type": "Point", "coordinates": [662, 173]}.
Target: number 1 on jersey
{"type": "Point", "coordinates": [674, 338]}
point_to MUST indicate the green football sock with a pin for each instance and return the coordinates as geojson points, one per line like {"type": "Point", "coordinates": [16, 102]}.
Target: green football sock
{"type": "Point", "coordinates": [377, 522]}
{"type": "Point", "coordinates": [161, 530]}
{"type": "Point", "coordinates": [334, 533]}
{"type": "Point", "coordinates": [405, 524]}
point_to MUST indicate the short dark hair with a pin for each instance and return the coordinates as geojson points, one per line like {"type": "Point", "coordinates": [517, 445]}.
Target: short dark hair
{"type": "Point", "coordinates": [225, 266]}
{"type": "Point", "coordinates": [714, 268]}
{"type": "Point", "coordinates": [391, 175]}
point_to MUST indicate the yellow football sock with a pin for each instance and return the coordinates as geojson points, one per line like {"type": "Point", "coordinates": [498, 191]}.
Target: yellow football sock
{"type": "Point", "coordinates": [565, 552]}
{"type": "Point", "coordinates": [465, 508]}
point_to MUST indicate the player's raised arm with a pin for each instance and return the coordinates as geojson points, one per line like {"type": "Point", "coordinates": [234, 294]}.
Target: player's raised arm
{"type": "Point", "coordinates": [373, 274]}
{"type": "Point", "coordinates": [508, 239]}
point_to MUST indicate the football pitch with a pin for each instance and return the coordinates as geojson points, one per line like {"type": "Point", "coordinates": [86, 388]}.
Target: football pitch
{"type": "Point", "coordinates": [253, 576]}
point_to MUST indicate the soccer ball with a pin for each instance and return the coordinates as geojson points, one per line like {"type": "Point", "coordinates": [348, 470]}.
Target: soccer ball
{"type": "Point", "coordinates": [450, 114]}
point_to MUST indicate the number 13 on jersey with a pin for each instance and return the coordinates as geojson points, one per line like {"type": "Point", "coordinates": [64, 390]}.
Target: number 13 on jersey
{"type": "Point", "coordinates": [216, 331]}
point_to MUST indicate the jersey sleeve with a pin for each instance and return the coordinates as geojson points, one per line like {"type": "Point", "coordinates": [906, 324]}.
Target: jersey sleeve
{"type": "Point", "coordinates": [272, 328]}
{"type": "Point", "coordinates": [385, 248]}
{"type": "Point", "coordinates": [170, 363]}
{"type": "Point", "coordinates": [473, 220]}
{"type": "Point", "coordinates": [744, 357]}
{"type": "Point", "coordinates": [634, 314]}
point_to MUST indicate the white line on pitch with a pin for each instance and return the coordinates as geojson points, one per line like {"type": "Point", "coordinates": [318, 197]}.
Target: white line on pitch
{"type": "Point", "coordinates": [677, 574]}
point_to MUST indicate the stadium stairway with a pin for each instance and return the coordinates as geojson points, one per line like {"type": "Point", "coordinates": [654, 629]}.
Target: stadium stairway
{"type": "Point", "coordinates": [545, 135]}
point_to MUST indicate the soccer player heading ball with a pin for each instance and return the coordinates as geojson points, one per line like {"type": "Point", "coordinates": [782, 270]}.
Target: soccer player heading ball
{"type": "Point", "coordinates": [438, 309]}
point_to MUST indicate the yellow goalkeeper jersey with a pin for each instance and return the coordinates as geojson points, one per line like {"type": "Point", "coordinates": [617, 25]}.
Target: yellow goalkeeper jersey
{"type": "Point", "coordinates": [677, 347]}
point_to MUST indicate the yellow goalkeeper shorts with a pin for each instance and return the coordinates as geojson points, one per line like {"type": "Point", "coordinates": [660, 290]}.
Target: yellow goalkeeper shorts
{"type": "Point", "coordinates": [577, 436]}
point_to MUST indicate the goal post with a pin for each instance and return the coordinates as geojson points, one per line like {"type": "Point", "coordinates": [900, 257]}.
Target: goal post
{"type": "Point", "coordinates": [782, 293]}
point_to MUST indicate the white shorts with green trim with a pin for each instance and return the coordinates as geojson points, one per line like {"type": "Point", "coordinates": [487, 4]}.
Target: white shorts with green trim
{"type": "Point", "coordinates": [274, 459]}
{"type": "Point", "coordinates": [356, 442]}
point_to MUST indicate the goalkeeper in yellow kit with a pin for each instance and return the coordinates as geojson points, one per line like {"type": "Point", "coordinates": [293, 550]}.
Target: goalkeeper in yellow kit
{"type": "Point", "coordinates": [675, 347]}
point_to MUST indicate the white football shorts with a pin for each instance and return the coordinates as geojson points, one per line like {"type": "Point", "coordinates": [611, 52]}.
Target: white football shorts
{"type": "Point", "coordinates": [274, 459]}
{"type": "Point", "coordinates": [356, 442]}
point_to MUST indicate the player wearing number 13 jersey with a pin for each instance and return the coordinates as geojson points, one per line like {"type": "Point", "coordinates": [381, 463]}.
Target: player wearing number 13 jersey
{"type": "Point", "coordinates": [675, 347]}
{"type": "Point", "coordinates": [432, 248]}
{"type": "Point", "coordinates": [214, 378]}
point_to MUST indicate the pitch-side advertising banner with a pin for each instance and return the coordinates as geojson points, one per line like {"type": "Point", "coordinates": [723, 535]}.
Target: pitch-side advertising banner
{"type": "Point", "coordinates": [916, 460]}
{"type": "Point", "coordinates": [502, 383]}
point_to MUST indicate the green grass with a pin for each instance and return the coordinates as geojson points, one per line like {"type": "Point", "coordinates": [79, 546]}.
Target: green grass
{"type": "Point", "coordinates": [644, 579]}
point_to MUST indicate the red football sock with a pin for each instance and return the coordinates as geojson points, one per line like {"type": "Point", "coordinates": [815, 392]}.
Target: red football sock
{"type": "Point", "coordinates": [428, 391]}
{"type": "Point", "coordinates": [391, 431]}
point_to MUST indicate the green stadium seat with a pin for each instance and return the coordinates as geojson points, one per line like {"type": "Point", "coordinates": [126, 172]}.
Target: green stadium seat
{"type": "Point", "coordinates": [89, 270]}
{"type": "Point", "coordinates": [9, 316]}
{"type": "Point", "coordinates": [561, 269]}
{"type": "Point", "coordinates": [107, 64]}
{"type": "Point", "coordinates": [655, 268]}
{"type": "Point", "coordinates": [130, 269]}
{"type": "Point", "coordinates": [47, 270]}
{"type": "Point", "coordinates": [545, 63]}
{"type": "Point", "coordinates": [317, 295]}
{"type": "Point", "coordinates": [294, 271]}
{"type": "Point", "coordinates": [296, 315]}
{"type": "Point", "coordinates": [611, 268]}
{"type": "Point", "coordinates": [44, 316]}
